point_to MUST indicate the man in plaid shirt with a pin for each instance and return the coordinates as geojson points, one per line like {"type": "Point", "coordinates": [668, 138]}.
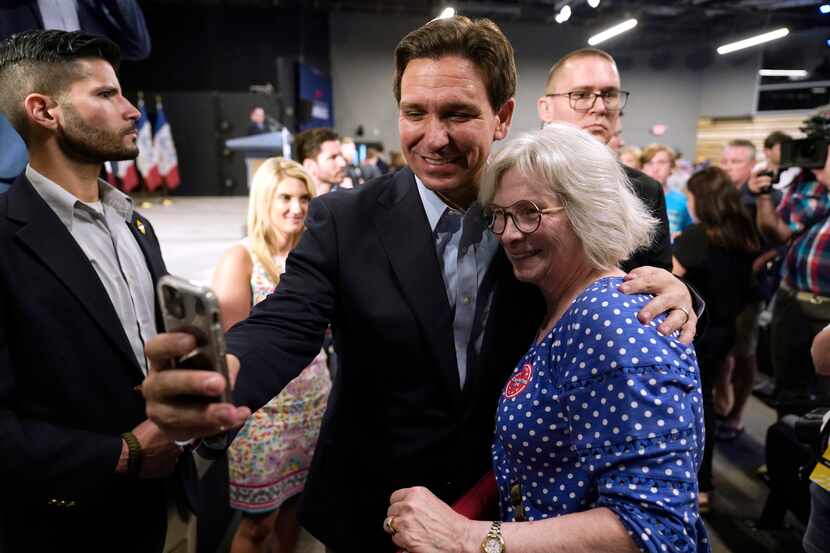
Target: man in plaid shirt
{"type": "Point", "coordinates": [802, 305]}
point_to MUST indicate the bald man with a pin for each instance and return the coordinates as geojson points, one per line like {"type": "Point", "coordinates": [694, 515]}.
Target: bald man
{"type": "Point", "coordinates": [583, 89]}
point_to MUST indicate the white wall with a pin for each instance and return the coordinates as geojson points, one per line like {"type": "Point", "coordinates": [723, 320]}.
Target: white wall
{"type": "Point", "coordinates": [730, 85]}
{"type": "Point", "coordinates": [362, 72]}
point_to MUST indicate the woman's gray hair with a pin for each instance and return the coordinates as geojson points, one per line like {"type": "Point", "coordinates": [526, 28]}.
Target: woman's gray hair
{"type": "Point", "coordinates": [569, 164]}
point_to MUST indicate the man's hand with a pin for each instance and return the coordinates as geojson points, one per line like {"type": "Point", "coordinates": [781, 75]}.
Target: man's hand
{"type": "Point", "coordinates": [165, 391]}
{"type": "Point", "coordinates": [670, 296]}
{"type": "Point", "coordinates": [760, 262]}
{"type": "Point", "coordinates": [757, 181]}
{"type": "Point", "coordinates": [158, 452]}
{"type": "Point", "coordinates": [419, 522]}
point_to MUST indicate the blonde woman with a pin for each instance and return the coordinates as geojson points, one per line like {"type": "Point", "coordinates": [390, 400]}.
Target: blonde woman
{"type": "Point", "coordinates": [270, 457]}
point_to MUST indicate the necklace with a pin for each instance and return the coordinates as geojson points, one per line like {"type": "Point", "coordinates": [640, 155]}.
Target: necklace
{"type": "Point", "coordinates": [450, 203]}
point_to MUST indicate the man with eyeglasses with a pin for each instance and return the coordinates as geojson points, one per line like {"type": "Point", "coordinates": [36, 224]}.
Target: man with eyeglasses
{"type": "Point", "coordinates": [583, 89]}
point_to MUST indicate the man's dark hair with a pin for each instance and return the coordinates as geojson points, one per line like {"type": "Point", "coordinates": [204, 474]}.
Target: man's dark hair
{"type": "Point", "coordinates": [45, 62]}
{"type": "Point", "coordinates": [480, 41]}
{"type": "Point", "coordinates": [307, 144]}
{"type": "Point", "coordinates": [775, 137]}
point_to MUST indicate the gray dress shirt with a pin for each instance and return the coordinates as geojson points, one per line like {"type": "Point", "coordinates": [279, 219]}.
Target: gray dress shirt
{"type": "Point", "coordinates": [465, 249]}
{"type": "Point", "coordinates": [101, 230]}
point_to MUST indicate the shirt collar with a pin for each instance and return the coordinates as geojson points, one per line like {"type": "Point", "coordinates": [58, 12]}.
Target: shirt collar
{"type": "Point", "coordinates": [63, 203]}
{"type": "Point", "coordinates": [433, 204]}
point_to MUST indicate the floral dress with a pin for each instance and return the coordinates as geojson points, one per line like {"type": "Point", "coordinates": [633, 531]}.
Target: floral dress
{"type": "Point", "coordinates": [605, 412]}
{"type": "Point", "coordinates": [270, 457]}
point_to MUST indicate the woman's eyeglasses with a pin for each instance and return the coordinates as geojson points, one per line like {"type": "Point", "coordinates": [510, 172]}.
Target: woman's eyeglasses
{"type": "Point", "coordinates": [526, 216]}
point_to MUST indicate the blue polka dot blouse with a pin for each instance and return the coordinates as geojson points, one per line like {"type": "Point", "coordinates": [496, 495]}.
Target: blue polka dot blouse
{"type": "Point", "coordinates": [605, 412]}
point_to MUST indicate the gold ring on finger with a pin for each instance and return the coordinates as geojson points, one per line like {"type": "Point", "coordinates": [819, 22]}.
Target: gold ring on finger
{"type": "Point", "coordinates": [683, 309]}
{"type": "Point", "coordinates": [389, 526]}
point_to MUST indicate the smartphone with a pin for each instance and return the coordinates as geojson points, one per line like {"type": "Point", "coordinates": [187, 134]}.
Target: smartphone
{"type": "Point", "coordinates": [194, 309]}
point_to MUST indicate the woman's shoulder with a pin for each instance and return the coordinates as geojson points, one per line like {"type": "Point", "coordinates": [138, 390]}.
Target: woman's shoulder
{"type": "Point", "coordinates": [690, 247]}
{"type": "Point", "coordinates": [695, 231]}
{"type": "Point", "coordinates": [602, 330]}
{"type": "Point", "coordinates": [602, 300]}
{"type": "Point", "coordinates": [237, 255]}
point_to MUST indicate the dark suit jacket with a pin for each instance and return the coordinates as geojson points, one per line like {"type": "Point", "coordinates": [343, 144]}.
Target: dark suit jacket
{"type": "Point", "coordinates": [67, 392]}
{"type": "Point", "coordinates": [121, 21]}
{"type": "Point", "coordinates": [397, 416]}
{"type": "Point", "coordinates": [651, 194]}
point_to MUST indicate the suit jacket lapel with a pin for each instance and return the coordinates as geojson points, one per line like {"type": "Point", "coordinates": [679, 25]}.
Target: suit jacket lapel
{"type": "Point", "coordinates": [404, 231]}
{"type": "Point", "coordinates": [142, 231]}
{"type": "Point", "coordinates": [516, 311]}
{"type": "Point", "coordinates": [49, 240]}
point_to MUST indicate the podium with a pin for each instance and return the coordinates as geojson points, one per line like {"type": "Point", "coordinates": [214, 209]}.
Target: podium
{"type": "Point", "coordinates": [259, 147]}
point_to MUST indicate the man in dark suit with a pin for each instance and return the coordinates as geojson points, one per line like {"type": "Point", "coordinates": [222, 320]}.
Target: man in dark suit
{"type": "Point", "coordinates": [122, 21]}
{"type": "Point", "coordinates": [82, 467]}
{"type": "Point", "coordinates": [583, 88]}
{"type": "Point", "coordinates": [428, 319]}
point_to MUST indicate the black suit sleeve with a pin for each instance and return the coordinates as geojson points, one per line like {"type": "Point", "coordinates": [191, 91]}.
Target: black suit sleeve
{"type": "Point", "coordinates": [284, 332]}
{"type": "Point", "coordinates": [658, 254]}
{"type": "Point", "coordinates": [122, 21]}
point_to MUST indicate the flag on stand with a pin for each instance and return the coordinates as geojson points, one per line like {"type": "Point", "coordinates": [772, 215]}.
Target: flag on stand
{"type": "Point", "coordinates": [111, 176]}
{"type": "Point", "coordinates": [166, 158]}
{"type": "Point", "coordinates": [146, 160]}
{"type": "Point", "coordinates": [128, 175]}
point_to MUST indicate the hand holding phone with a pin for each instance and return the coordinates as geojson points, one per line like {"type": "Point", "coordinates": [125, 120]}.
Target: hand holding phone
{"type": "Point", "coordinates": [194, 310]}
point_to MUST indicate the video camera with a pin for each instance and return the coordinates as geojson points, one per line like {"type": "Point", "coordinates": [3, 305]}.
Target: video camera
{"type": "Point", "coordinates": [810, 152]}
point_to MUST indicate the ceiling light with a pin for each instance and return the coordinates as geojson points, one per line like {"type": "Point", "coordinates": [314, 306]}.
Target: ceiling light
{"type": "Point", "coordinates": [753, 41]}
{"type": "Point", "coordinates": [564, 14]}
{"type": "Point", "coordinates": [824, 9]}
{"type": "Point", "coordinates": [446, 13]}
{"type": "Point", "coordinates": [593, 3]}
{"type": "Point", "coordinates": [612, 32]}
{"type": "Point", "coordinates": [792, 73]}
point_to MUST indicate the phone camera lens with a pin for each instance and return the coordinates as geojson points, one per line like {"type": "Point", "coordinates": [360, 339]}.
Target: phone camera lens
{"type": "Point", "coordinates": [173, 302]}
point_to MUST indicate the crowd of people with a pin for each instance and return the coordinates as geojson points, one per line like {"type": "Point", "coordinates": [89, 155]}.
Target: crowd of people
{"type": "Point", "coordinates": [524, 317]}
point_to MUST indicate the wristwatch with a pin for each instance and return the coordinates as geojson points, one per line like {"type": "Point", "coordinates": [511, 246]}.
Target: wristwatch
{"type": "Point", "coordinates": [493, 542]}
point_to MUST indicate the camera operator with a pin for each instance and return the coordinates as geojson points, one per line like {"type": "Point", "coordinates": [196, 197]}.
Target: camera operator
{"type": "Point", "coordinates": [782, 176]}
{"type": "Point", "coordinates": [802, 221]}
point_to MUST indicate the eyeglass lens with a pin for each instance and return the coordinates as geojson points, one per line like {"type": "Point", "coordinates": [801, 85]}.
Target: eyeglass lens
{"type": "Point", "coordinates": [525, 214]}
{"type": "Point", "coordinates": [583, 100]}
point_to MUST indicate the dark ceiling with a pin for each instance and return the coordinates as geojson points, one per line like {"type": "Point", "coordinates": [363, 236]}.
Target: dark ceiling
{"type": "Point", "coordinates": [668, 21]}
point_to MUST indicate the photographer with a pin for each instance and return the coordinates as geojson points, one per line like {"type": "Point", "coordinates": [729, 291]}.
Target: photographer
{"type": "Point", "coordinates": [801, 220]}
{"type": "Point", "coordinates": [782, 176]}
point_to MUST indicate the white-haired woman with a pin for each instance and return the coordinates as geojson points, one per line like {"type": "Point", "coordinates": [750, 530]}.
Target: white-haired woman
{"type": "Point", "coordinates": [599, 432]}
{"type": "Point", "coordinates": [271, 455]}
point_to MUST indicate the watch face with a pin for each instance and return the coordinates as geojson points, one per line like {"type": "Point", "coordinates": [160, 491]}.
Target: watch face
{"type": "Point", "coordinates": [493, 545]}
